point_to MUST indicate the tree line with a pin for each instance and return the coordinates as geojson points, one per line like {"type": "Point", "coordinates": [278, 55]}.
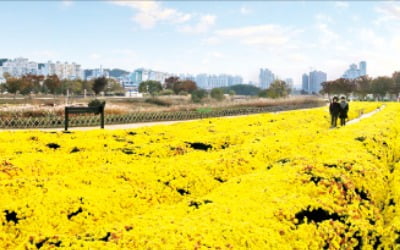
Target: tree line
{"type": "Point", "coordinates": [173, 85]}
{"type": "Point", "coordinates": [39, 84]}
{"type": "Point", "coordinates": [379, 87]}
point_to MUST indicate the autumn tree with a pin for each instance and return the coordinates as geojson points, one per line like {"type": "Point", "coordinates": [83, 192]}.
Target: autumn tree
{"type": "Point", "coordinates": [381, 85]}
{"type": "Point", "coordinates": [363, 86]}
{"type": "Point", "coordinates": [184, 86]}
{"type": "Point", "coordinates": [344, 86]}
{"type": "Point", "coordinates": [99, 85]}
{"type": "Point", "coordinates": [53, 84]}
{"type": "Point", "coordinates": [396, 83]}
{"type": "Point", "coordinates": [170, 81]}
{"type": "Point", "coordinates": [13, 85]}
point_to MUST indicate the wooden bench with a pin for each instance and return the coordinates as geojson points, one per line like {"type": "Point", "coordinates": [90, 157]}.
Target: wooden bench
{"type": "Point", "coordinates": [81, 110]}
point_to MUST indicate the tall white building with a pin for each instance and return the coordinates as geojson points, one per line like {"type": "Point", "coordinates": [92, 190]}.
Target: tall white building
{"type": "Point", "coordinates": [19, 67]}
{"type": "Point", "coordinates": [266, 77]}
{"type": "Point", "coordinates": [62, 70]}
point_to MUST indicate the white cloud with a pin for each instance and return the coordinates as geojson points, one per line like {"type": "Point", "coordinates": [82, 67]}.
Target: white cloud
{"type": "Point", "coordinates": [389, 12]}
{"type": "Point", "coordinates": [67, 3]}
{"type": "Point", "coordinates": [264, 35]}
{"type": "Point", "coordinates": [211, 41]}
{"type": "Point", "coordinates": [95, 56]}
{"type": "Point", "coordinates": [323, 18]}
{"type": "Point", "coordinates": [149, 13]}
{"type": "Point", "coordinates": [327, 36]}
{"type": "Point", "coordinates": [204, 24]}
{"type": "Point", "coordinates": [245, 11]}
{"type": "Point", "coordinates": [341, 5]}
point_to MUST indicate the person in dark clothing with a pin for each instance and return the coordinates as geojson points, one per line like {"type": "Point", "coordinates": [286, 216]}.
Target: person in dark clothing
{"type": "Point", "coordinates": [344, 109]}
{"type": "Point", "coordinates": [334, 109]}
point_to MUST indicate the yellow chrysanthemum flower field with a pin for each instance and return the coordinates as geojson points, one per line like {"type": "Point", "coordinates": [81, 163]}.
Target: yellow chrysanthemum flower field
{"type": "Point", "coordinates": [266, 181]}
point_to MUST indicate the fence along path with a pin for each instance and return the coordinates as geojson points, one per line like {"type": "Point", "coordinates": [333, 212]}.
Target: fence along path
{"type": "Point", "coordinates": [147, 124]}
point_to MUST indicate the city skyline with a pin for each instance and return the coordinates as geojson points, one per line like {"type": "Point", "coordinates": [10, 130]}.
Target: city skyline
{"type": "Point", "coordinates": [235, 38]}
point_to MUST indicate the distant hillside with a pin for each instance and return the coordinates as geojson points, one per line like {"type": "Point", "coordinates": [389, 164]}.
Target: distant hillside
{"type": "Point", "coordinates": [2, 60]}
{"type": "Point", "coordinates": [242, 89]}
{"type": "Point", "coordinates": [117, 72]}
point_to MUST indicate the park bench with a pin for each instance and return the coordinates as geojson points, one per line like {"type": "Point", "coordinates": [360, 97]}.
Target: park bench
{"type": "Point", "coordinates": [81, 110]}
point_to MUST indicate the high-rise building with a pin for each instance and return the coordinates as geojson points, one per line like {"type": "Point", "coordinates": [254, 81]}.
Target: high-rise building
{"type": "Point", "coordinates": [266, 77]}
{"type": "Point", "coordinates": [305, 83]}
{"type": "Point", "coordinates": [354, 72]}
{"type": "Point", "coordinates": [363, 68]}
{"type": "Point", "coordinates": [311, 83]}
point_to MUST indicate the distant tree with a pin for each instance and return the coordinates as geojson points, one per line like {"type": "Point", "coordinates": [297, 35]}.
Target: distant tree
{"type": "Point", "coordinates": [363, 86]}
{"type": "Point", "coordinates": [396, 83]}
{"type": "Point", "coordinates": [151, 87]}
{"type": "Point", "coordinates": [53, 84]}
{"type": "Point", "coordinates": [344, 86]}
{"type": "Point", "coordinates": [170, 81]}
{"type": "Point", "coordinates": [231, 92]}
{"type": "Point", "coordinates": [187, 85]}
{"type": "Point", "coordinates": [198, 95]}
{"type": "Point", "coordinates": [99, 84]}
{"type": "Point", "coordinates": [115, 87]}
{"type": "Point", "coordinates": [26, 85]}
{"type": "Point", "coordinates": [13, 85]}
{"type": "Point", "coordinates": [277, 89]}
{"type": "Point", "coordinates": [3, 88]}
{"type": "Point", "coordinates": [328, 88]}
{"type": "Point", "coordinates": [217, 94]}
{"type": "Point", "coordinates": [87, 86]}
{"type": "Point", "coordinates": [381, 85]}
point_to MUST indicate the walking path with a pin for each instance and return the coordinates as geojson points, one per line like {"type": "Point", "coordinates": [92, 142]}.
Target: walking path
{"type": "Point", "coordinates": [363, 116]}
{"type": "Point", "coordinates": [147, 124]}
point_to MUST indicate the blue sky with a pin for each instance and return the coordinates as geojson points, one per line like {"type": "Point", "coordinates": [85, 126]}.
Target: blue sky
{"type": "Point", "coordinates": [233, 37]}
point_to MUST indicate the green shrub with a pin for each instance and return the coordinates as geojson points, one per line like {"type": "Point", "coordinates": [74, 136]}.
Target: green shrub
{"type": "Point", "coordinates": [198, 95]}
{"type": "Point", "coordinates": [158, 102]}
{"type": "Point", "coordinates": [166, 92]}
{"type": "Point", "coordinates": [96, 103]}
{"type": "Point", "coordinates": [217, 94]}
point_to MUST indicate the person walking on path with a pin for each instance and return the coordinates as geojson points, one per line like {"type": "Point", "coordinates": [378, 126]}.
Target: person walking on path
{"type": "Point", "coordinates": [334, 109]}
{"type": "Point", "coordinates": [344, 109]}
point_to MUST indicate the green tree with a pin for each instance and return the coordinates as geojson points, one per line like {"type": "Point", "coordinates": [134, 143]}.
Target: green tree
{"type": "Point", "coordinates": [277, 89]}
{"type": "Point", "coordinates": [151, 87]}
{"type": "Point", "coordinates": [114, 87]}
{"type": "Point", "coordinates": [363, 86]}
{"type": "Point", "coordinates": [217, 94]}
{"type": "Point", "coordinates": [198, 95]}
{"type": "Point", "coordinates": [381, 85]}
{"type": "Point", "coordinates": [99, 84]}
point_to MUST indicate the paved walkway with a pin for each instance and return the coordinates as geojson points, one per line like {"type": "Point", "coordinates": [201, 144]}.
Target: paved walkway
{"type": "Point", "coordinates": [363, 116]}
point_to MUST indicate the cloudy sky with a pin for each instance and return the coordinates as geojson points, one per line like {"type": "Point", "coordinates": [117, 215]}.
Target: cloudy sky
{"type": "Point", "coordinates": [233, 37]}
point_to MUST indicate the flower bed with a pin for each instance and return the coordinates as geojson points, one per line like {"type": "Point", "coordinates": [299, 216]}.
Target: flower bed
{"type": "Point", "coordinates": [261, 181]}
